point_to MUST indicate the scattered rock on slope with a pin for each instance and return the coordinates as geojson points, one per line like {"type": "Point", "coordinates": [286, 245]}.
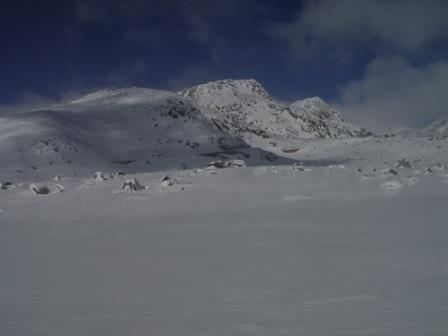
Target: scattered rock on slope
{"type": "Point", "coordinates": [245, 109]}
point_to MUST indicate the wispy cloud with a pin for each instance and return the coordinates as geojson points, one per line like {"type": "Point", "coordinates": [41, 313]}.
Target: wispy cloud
{"type": "Point", "coordinates": [29, 100]}
{"type": "Point", "coordinates": [394, 93]}
{"type": "Point", "coordinates": [342, 28]}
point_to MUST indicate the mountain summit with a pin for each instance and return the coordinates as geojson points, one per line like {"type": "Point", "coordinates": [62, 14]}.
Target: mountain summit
{"type": "Point", "coordinates": [244, 108]}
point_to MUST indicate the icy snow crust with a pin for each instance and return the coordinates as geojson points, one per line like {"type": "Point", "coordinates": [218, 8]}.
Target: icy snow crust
{"type": "Point", "coordinates": [144, 212]}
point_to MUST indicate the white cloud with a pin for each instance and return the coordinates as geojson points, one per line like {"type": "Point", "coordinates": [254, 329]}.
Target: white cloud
{"type": "Point", "coordinates": [343, 27]}
{"type": "Point", "coordinates": [29, 100]}
{"type": "Point", "coordinates": [394, 93]}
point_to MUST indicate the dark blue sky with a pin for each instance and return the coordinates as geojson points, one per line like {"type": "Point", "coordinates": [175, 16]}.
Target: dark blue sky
{"type": "Point", "coordinates": [344, 51]}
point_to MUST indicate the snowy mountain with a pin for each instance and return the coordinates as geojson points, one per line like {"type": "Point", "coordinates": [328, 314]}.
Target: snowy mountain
{"type": "Point", "coordinates": [244, 108]}
{"type": "Point", "coordinates": [139, 128]}
{"type": "Point", "coordinates": [145, 129]}
{"type": "Point", "coordinates": [113, 220]}
{"type": "Point", "coordinates": [323, 121]}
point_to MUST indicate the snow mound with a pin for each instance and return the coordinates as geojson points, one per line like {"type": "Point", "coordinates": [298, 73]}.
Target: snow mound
{"type": "Point", "coordinates": [392, 184]}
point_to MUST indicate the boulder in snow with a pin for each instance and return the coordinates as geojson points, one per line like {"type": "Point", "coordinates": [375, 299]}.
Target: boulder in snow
{"type": "Point", "coordinates": [427, 171]}
{"type": "Point", "coordinates": [99, 177]}
{"type": "Point", "coordinates": [168, 183]}
{"type": "Point", "coordinates": [165, 178]}
{"type": "Point", "coordinates": [298, 166]}
{"type": "Point", "coordinates": [39, 189]}
{"type": "Point", "coordinates": [5, 185]}
{"type": "Point", "coordinates": [132, 185]}
{"type": "Point", "coordinates": [235, 163]}
{"type": "Point", "coordinates": [59, 187]}
{"type": "Point", "coordinates": [216, 164]}
{"type": "Point", "coordinates": [389, 171]}
{"type": "Point", "coordinates": [403, 163]}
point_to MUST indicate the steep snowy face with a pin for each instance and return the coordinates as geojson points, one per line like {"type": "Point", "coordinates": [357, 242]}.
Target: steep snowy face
{"type": "Point", "coordinates": [244, 108]}
{"type": "Point", "coordinates": [317, 107]}
{"type": "Point", "coordinates": [319, 118]}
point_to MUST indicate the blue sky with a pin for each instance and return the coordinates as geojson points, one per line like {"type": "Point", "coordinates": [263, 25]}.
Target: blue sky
{"type": "Point", "coordinates": [384, 63]}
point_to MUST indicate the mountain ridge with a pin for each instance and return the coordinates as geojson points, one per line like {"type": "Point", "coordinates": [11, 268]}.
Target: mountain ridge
{"type": "Point", "coordinates": [151, 129]}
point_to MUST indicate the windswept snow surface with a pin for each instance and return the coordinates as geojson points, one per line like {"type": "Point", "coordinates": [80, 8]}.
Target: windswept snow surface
{"type": "Point", "coordinates": [266, 250]}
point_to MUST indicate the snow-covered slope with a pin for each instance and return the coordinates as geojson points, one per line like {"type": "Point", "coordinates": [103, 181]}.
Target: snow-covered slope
{"type": "Point", "coordinates": [323, 121]}
{"type": "Point", "coordinates": [147, 129]}
{"type": "Point", "coordinates": [244, 108]}
{"type": "Point", "coordinates": [438, 129]}
{"type": "Point", "coordinates": [244, 252]}
{"type": "Point", "coordinates": [140, 128]}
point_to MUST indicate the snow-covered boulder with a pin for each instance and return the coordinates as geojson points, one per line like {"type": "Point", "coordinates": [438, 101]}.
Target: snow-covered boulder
{"type": "Point", "coordinates": [168, 183]}
{"type": "Point", "coordinates": [298, 166]}
{"type": "Point", "coordinates": [5, 185]}
{"type": "Point", "coordinates": [235, 163]}
{"type": "Point", "coordinates": [217, 164]}
{"type": "Point", "coordinates": [427, 171]}
{"type": "Point", "coordinates": [132, 185]}
{"type": "Point", "coordinates": [99, 177]}
{"type": "Point", "coordinates": [40, 189]}
{"type": "Point", "coordinates": [389, 171]}
{"type": "Point", "coordinates": [59, 187]}
{"type": "Point", "coordinates": [403, 163]}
